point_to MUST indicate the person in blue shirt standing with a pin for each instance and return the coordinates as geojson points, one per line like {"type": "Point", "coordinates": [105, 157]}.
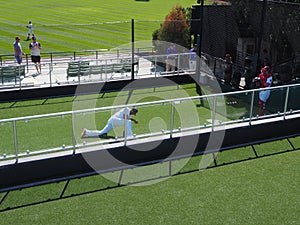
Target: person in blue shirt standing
{"type": "Point", "coordinates": [171, 58]}
{"type": "Point", "coordinates": [193, 57]}
{"type": "Point", "coordinates": [18, 50]}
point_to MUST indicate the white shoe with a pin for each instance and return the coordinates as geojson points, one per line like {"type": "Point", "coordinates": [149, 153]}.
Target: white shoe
{"type": "Point", "coordinates": [83, 134]}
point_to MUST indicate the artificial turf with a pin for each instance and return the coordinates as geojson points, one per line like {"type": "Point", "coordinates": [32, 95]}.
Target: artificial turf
{"type": "Point", "coordinates": [259, 191]}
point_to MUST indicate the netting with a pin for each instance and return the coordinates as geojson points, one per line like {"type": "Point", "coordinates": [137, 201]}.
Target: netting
{"type": "Point", "coordinates": [254, 33]}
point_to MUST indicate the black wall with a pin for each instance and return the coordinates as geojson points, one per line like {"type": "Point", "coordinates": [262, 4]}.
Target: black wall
{"type": "Point", "coordinates": [91, 88]}
{"type": "Point", "coordinates": [220, 30]}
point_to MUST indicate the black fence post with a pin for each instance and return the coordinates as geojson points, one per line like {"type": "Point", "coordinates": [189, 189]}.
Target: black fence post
{"type": "Point", "coordinates": [261, 34]}
{"type": "Point", "coordinates": [198, 72]}
{"type": "Point", "coordinates": [201, 30]}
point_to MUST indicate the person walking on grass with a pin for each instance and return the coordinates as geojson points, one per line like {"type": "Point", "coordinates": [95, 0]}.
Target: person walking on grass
{"type": "Point", "coordinates": [18, 50]}
{"type": "Point", "coordinates": [35, 48]}
{"type": "Point", "coordinates": [120, 118]}
{"type": "Point", "coordinates": [30, 30]}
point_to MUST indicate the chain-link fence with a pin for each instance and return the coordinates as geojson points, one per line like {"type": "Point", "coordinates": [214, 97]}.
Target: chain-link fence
{"type": "Point", "coordinates": [254, 33]}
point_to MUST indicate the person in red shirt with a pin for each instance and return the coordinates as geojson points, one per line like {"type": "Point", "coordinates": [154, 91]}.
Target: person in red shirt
{"type": "Point", "coordinates": [265, 81]}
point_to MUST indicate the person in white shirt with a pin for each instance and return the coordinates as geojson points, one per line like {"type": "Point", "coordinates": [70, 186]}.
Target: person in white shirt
{"type": "Point", "coordinates": [30, 30]}
{"type": "Point", "coordinates": [266, 80]}
{"type": "Point", "coordinates": [35, 48]}
{"type": "Point", "coordinates": [120, 118]}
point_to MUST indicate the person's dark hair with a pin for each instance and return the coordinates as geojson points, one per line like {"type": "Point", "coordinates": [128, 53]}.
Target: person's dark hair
{"type": "Point", "coordinates": [134, 110]}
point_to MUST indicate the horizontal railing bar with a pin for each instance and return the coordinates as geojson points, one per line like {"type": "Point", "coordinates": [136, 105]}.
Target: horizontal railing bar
{"type": "Point", "coordinates": [166, 101]}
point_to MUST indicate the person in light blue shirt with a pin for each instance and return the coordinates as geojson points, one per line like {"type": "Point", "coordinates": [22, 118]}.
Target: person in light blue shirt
{"type": "Point", "coordinates": [18, 50]}
{"type": "Point", "coordinates": [171, 58]}
{"type": "Point", "coordinates": [193, 57]}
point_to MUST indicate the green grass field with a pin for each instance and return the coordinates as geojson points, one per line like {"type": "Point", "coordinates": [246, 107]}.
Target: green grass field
{"type": "Point", "coordinates": [81, 25]}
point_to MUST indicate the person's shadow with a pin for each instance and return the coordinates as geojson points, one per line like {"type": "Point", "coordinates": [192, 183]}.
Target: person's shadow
{"type": "Point", "coordinates": [106, 137]}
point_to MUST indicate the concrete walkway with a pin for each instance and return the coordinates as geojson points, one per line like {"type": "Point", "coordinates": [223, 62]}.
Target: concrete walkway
{"type": "Point", "coordinates": [54, 72]}
{"type": "Point", "coordinates": [57, 75]}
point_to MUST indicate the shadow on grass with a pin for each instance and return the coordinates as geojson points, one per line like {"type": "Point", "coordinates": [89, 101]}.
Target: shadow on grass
{"type": "Point", "coordinates": [95, 183]}
{"type": "Point", "coordinates": [69, 99]}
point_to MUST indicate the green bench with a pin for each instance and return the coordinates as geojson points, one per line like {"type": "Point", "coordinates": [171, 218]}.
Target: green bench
{"type": "Point", "coordinates": [106, 68]}
{"type": "Point", "coordinates": [12, 72]}
{"type": "Point", "coordinates": [78, 68]}
{"type": "Point", "coordinates": [96, 69]}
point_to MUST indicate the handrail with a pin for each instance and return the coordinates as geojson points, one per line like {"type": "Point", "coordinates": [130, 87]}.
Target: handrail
{"type": "Point", "coordinates": [145, 103]}
{"type": "Point", "coordinates": [212, 65]}
{"type": "Point", "coordinates": [284, 115]}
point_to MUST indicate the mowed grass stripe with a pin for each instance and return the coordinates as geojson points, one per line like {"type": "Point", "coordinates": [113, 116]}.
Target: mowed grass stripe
{"type": "Point", "coordinates": [53, 14]}
{"type": "Point", "coordinates": [93, 38]}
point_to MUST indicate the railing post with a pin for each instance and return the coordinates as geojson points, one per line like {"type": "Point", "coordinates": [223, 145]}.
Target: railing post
{"type": "Point", "coordinates": [251, 107]}
{"type": "Point", "coordinates": [120, 178]}
{"type": "Point", "coordinates": [178, 64]}
{"type": "Point", "coordinates": [105, 70]}
{"type": "Point", "coordinates": [51, 60]}
{"type": "Point", "coordinates": [125, 131]}
{"type": "Point", "coordinates": [50, 74]}
{"type": "Point", "coordinates": [27, 64]}
{"type": "Point", "coordinates": [172, 119]}
{"type": "Point", "coordinates": [213, 114]}
{"type": "Point", "coordinates": [73, 133]}
{"type": "Point", "coordinates": [79, 72]}
{"type": "Point", "coordinates": [286, 101]}
{"type": "Point", "coordinates": [155, 66]}
{"type": "Point", "coordinates": [20, 82]}
{"type": "Point", "coordinates": [132, 49]}
{"type": "Point", "coordinates": [16, 140]}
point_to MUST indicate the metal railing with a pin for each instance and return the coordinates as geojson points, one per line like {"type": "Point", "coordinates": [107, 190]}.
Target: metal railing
{"type": "Point", "coordinates": [108, 66]}
{"type": "Point", "coordinates": [60, 132]}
